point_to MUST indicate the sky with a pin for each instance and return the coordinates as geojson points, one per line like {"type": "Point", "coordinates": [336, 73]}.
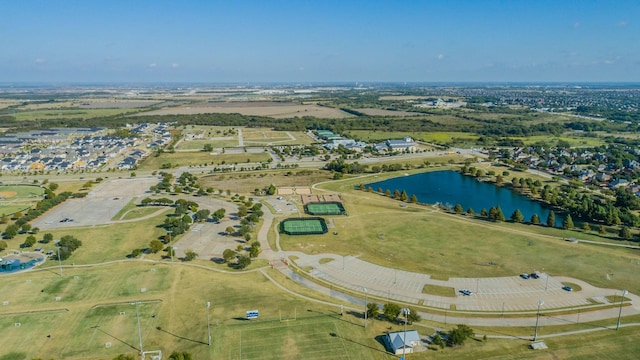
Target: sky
{"type": "Point", "coordinates": [140, 41]}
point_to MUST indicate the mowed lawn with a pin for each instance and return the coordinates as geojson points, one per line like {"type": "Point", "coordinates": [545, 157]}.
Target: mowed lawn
{"type": "Point", "coordinates": [419, 239]}
{"type": "Point", "coordinates": [95, 316]}
{"type": "Point", "coordinates": [198, 158]}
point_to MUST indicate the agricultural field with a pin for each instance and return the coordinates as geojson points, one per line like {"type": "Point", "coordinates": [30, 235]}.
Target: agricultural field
{"type": "Point", "coordinates": [278, 110]}
{"type": "Point", "coordinates": [62, 113]}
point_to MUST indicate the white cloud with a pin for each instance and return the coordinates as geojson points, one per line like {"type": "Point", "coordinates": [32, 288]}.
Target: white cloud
{"type": "Point", "coordinates": [175, 65]}
{"type": "Point", "coordinates": [623, 23]}
{"type": "Point", "coordinates": [152, 65]}
{"type": "Point", "coordinates": [576, 24]}
{"type": "Point", "coordinates": [39, 61]}
{"type": "Point", "coordinates": [301, 68]}
{"type": "Point", "coordinates": [440, 56]}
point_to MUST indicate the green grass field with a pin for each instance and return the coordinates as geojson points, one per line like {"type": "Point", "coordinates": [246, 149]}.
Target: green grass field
{"type": "Point", "coordinates": [48, 114]}
{"type": "Point", "coordinates": [454, 245]}
{"type": "Point", "coordinates": [197, 158]}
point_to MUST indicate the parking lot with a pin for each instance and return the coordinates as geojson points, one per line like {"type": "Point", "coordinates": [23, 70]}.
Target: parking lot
{"type": "Point", "coordinates": [98, 207]}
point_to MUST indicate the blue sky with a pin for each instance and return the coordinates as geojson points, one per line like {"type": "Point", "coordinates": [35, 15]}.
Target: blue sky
{"type": "Point", "coordinates": [319, 41]}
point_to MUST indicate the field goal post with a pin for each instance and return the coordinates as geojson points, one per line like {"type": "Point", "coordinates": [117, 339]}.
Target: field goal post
{"type": "Point", "coordinates": [152, 355]}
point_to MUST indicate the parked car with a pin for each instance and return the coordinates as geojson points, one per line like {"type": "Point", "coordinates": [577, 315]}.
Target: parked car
{"type": "Point", "coordinates": [534, 276]}
{"type": "Point", "coordinates": [567, 288]}
{"type": "Point", "coordinates": [524, 275]}
{"type": "Point", "coordinates": [465, 292]}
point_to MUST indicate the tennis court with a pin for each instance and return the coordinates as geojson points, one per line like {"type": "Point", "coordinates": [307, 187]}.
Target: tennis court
{"type": "Point", "coordinates": [303, 226]}
{"type": "Point", "coordinates": [324, 208]}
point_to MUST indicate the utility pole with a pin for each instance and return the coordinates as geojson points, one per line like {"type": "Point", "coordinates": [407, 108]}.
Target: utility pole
{"type": "Point", "coordinates": [139, 330]}
{"type": "Point", "coordinates": [365, 308]}
{"type": "Point", "coordinates": [170, 245]}
{"type": "Point", "coordinates": [624, 292]}
{"type": "Point", "coordinates": [406, 312]}
{"type": "Point", "coordinates": [535, 334]}
{"type": "Point", "coordinates": [208, 324]}
{"type": "Point", "coordinates": [59, 260]}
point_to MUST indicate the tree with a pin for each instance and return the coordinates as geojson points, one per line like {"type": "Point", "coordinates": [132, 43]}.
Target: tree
{"type": "Point", "coordinates": [470, 212]}
{"type": "Point", "coordinates": [586, 226]}
{"type": "Point", "coordinates": [602, 230]}
{"type": "Point", "coordinates": [404, 196]}
{"type": "Point", "coordinates": [458, 335]}
{"type": "Point", "coordinates": [437, 340]}
{"type": "Point", "coordinates": [3, 245]}
{"type": "Point", "coordinates": [413, 316]}
{"type": "Point", "coordinates": [30, 241]}
{"type": "Point", "coordinates": [391, 311]}
{"type": "Point", "coordinates": [483, 212]}
{"type": "Point", "coordinates": [625, 233]}
{"type": "Point", "coordinates": [228, 255]}
{"type": "Point", "coordinates": [124, 357]}
{"type": "Point", "coordinates": [25, 227]}
{"type": "Point", "coordinates": [190, 255]}
{"type": "Point", "coordinates": [243, 261]}
{"type": "Point", "coordinates": [567, 222]}
{"type": "Point", "coordinates": [11, 231]}
{"type": "Point", "coordinates": [242, 211]}
{"type": "Point", "coordinates": [458, 209]}
{"type": "Point", "coordinates": [230, 230]}
{"type": "Point", "coordinates": [372, 310]}
{"type": "Point", "coordinates": [551, 219]}
{"type": "Point", "coordinates": [207, 148]}
{"type": "Point", "coordinates": [47, 238]}
{"type": "Point", "coordinates": [155, 246]}
{"type": "Point", "coordinates": [413, 199]}
{"type": "Point", "coordinates": [535, 219]}
{"type": "Point", "coordinates": [517, 216]}
{"type": "Point", "coordinates": [180, 355]}
{"type": "Point", "coordinates": [254, 250]}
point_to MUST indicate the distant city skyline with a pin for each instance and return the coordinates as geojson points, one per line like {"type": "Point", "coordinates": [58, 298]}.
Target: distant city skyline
{"type": "Point", "coordinates": [319, 41]}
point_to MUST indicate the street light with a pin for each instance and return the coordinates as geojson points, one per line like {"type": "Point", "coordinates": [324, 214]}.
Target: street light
{"type": "Point", "coordinates": [365, 307]}
{"type": "Point", "coordinates": [170, 245]}
{"type": "Point", "coordinates": [139, 331]}
{"type": "Point", "coordinates": [406, 312]}
{"type": "Point", "coordinates": [208, 325]}
{"type": "Point", "coordinates": [535, 334]}
{"type": "Point", "coordinates": [624, 292]}
{"type": "Point", "coordinates": [59, 260]}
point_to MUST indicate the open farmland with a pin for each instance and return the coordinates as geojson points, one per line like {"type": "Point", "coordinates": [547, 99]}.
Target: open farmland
{"type": "Point", "coordinates": [277, 110]}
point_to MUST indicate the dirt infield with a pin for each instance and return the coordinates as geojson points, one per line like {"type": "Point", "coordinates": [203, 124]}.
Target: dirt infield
{"type": "Point", "coordinates": [8, 194]}
{"type": "Point", "coordinates": [294, 190]}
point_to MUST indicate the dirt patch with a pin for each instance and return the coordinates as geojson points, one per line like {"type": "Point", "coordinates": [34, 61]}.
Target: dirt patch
{"type": "Point", "coordinates": [247, 183]}
{"type": "Point", "coordinates": [7, 194]}
{"type": "Point", "coordinates": [290, 349]}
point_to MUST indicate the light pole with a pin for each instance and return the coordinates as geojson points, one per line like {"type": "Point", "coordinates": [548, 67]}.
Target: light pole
{"type": "Point", "coordinates": [59, 260]}
{"type": "Point", "coordinates": [406, 312]}
{"type": "Point", "coordinates": [546, 283]}
{"type": "Point", "coordinates": [535, 334]}
{"type": "Point", "coordinates": [139, 331]}
{"type": "Point", "coordinates": [624, 292]}
{"type": "Point", "coordinates": [170, 245]}
{"type": "Point", "coordinates": [365, 308]}
{"type": "Point", "coordinates": [208, 325]}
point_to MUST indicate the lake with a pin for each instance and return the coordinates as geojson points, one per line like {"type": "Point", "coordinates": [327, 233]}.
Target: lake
{"type": "Point", "coordinates": [450, 188]}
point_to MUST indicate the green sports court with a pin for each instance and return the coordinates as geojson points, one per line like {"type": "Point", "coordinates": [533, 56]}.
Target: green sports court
{"type": "Point", "coordinates": [324, 208]}
{"type": "Point", "coordinates": [303, 226]}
